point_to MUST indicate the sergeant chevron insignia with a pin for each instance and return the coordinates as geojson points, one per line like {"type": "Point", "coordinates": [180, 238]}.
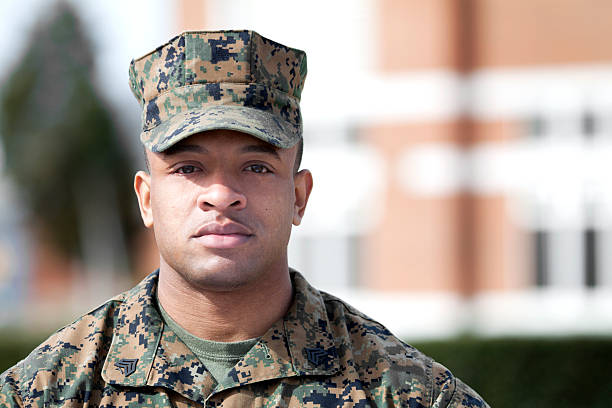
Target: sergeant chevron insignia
{"type": "Point", "coordinates": [316, 355]}
{"type": "Point", "coordinates": [127, 365]}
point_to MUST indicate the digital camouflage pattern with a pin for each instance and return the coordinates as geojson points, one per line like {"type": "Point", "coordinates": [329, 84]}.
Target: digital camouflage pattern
{"type": "Point", "coordinates": [323, 353]}
{"type": "Point", "coordinates": [206, 80]}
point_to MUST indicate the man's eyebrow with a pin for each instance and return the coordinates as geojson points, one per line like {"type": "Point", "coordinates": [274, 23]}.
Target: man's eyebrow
{"type": "Point", "coordinates": [182, 148]}
{"type": "Point", "coordinates": [261, 148]}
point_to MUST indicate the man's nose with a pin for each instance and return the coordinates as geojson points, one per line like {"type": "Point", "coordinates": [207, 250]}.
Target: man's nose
{"type": "Point", "coordinates": [221, 196]}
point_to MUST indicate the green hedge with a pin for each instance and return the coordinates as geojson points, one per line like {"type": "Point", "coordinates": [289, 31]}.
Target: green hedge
{"type": "Point", "coordinates": [15, 345]}
{"type": "Point", "coordinates": [565, 372]}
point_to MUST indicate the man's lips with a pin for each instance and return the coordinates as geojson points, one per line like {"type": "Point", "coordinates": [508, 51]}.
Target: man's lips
{"type": "Point", "coordinates": [223, 236]}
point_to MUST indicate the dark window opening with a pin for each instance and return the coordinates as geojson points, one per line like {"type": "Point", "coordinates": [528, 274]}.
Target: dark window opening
{"type": "Point", "coordinates": [541, 258]}
{"type": "Point", "coordinates": [588, 124]}
{"type": "Point", "coordinates": [536, 127]}
{"type": "Point", "coordinates": [590, 257]}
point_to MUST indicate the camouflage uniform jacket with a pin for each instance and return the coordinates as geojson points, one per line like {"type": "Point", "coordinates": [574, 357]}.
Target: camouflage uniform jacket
{"type": "Point", "coordinates": [323, 353]}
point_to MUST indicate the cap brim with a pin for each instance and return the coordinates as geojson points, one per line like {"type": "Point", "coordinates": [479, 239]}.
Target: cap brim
{"type": "Point", "coordinates": [264, 125]}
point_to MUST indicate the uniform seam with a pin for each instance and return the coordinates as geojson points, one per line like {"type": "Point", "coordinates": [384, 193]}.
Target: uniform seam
{"type": "Point", "coordinates": [454, 390]}
{"type": "Point", "coordinates": [12, 387]}
{"type": "Point", "coordinates": [289, 351]}
{"type": "Point", "coordinates": [430, 375]}
{"type": "Point", "coordinates": [251, 78]}
{"type": "Point", "coordinates": [185, 58]}
{"type": "Point", "coordinates": [156, 348]}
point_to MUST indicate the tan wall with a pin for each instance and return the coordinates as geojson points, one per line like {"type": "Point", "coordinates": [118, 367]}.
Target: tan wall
{"type": "Point", "coordinates": [464, 242]}
{"type": "Point", "coordinates": [417, 244]}
{"type": "Point", "coordinates": [528, 32]}
{"type": "Point", "coordinates": [499, 248]}
{"type": "Point", "coordinates": [417, 34]}
{"type": "Point", "coordinates": [191, 15]}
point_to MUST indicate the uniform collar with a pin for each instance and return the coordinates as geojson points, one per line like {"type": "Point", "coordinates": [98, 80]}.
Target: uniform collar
{"type": "Point", "coordinates": [308, 331]}
{"type": "Point", "coordinates": [136, 335]}
{"type": "Point", "coordinates": [145, 352]}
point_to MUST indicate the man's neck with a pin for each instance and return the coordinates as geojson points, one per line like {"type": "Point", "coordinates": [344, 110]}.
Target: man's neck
{"type": "Point", "coordinates": [238, 314]}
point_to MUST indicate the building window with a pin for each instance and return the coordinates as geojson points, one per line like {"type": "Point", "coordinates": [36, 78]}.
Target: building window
{"type": "Point", "coordinates": [567, 238]}
{"type": "Point", "coordinates": [541, 253]}
{"type": "Point", "coordinates": [590, 257]}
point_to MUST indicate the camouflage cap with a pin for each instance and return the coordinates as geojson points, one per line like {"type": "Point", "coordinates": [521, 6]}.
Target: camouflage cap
{"type": "Point", "coordinates": [206, 80]}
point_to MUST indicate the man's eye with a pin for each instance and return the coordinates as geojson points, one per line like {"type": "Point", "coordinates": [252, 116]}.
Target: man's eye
{"type": "Point", "coordinates": [258, 168]}
{"type": "Point", "coordinates": [188, 169]}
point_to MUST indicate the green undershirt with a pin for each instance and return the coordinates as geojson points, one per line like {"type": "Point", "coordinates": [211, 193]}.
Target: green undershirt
{"type": "Point", "coordinates": [218, 357]}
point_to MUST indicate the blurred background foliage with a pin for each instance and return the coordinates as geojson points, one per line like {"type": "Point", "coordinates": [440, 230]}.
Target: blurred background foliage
{"type": "Point", "coordinates": [62, 148]}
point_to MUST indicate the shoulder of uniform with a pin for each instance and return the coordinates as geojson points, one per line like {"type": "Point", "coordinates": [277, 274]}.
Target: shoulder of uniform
{"type": "Point", "coordinates": [78, 335]}
{"type": "Point", "coordinates": [75, 354]}
{"type": "Point", "coordinates": [74, 349]}
{"type": "Point", "coordinates": [382, 357]}
{"type": "Point", "coordinates": [363, 330]}
{"type": "Point", "coordinates": [9, 395]}
{"type": "Point", "coordinates": [450, 391]}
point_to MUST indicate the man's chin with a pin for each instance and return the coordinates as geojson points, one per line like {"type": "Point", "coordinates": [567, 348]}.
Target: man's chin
{"type": "Point", "coordinates": [220, 275]}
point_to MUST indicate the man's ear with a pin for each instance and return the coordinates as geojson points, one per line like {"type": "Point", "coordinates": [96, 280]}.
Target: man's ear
{"type": "Point", "coordinates": [142, 186]}
{"type": "Point", "coordinates": [303, 186]}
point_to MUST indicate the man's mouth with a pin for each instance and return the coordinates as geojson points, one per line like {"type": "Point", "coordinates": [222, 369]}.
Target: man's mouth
{"type": "Point", "coordinates": [223, 236]}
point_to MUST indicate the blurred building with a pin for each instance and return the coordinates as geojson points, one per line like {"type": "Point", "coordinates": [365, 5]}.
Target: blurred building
{"type": "Point", "coordinates": [500, 188]}
{"type": "Point", "coordinates": [460, 150]}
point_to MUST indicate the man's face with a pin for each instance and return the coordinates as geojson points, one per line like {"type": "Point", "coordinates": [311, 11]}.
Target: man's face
{"type": "Point", "coordinates": [221, 204]}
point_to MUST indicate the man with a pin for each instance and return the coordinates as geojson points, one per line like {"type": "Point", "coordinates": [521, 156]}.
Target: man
{"type": "Point", "coordinates": [224, 321]}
